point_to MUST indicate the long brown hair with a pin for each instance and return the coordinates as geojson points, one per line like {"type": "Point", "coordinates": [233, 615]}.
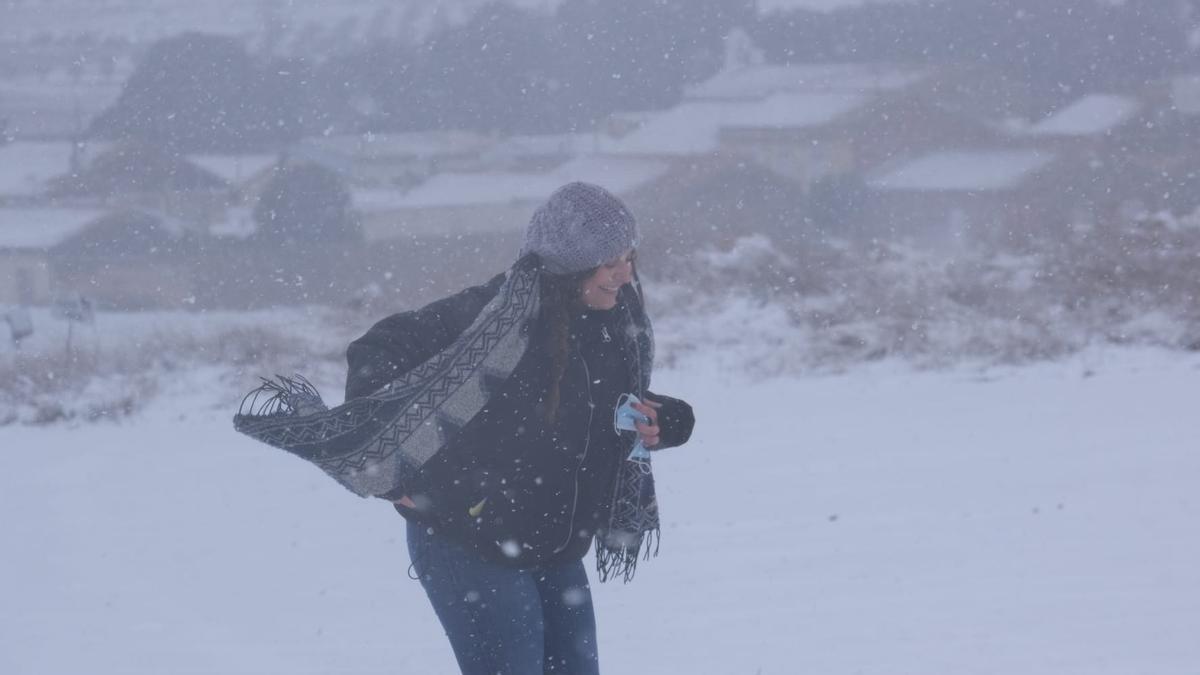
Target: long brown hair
{"type": "Point", "coordinates": [560, 295]}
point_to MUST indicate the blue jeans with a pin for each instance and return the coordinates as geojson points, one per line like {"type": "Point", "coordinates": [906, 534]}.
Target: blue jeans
{"type": "Point", "coordinates": [505, 620]}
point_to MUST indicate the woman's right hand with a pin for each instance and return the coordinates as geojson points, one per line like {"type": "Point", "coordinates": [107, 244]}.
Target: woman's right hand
{"type": "Point", "coordinates": [648, 430]}
{"type": "Point", "coordinates": [405, 502]}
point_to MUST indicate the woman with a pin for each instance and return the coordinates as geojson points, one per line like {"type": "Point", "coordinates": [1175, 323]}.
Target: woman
{"type": "Point", "coordinates": [496, 407]}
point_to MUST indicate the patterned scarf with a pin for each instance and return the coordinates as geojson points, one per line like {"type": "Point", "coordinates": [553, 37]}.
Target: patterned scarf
{"type": "Point", "coordinates": [376, 444]}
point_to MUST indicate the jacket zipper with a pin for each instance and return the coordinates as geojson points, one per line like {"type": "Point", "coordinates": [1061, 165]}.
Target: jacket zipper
{"type": "Point", "coordinates": [587, 442]}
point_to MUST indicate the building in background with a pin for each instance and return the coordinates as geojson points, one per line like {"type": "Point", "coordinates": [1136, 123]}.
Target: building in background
{"type": "Point", "coordinates": [396, 160]}
{"type": "Point", "coordinates": [948, 199]}
{"type": "Point", "coordinates": [128, 260]}
{"type": "Point", "coordinates": [448, 231]}
{"type": "Point", "coordinates": [137, 175]}
{"type": "Point", "coordinates": [29, 169]}
{"type": "Point", "coordinates": [28, 236]}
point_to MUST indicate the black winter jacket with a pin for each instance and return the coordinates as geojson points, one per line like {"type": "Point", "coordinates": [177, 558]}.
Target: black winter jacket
{"type": "Point", "coordinates": [510, 485]}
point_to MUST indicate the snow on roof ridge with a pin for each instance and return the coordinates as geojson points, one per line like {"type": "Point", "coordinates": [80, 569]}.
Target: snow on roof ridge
{"type": "Point", "coordinates": [402, 143]}
{"type": "Point", "coordinates": [234, 167]}
{"type": "Point", "coordinates": [1089, 115]}
{"type": "Point", "coordinates": [982, 170]}
{"type": "Point", "coordinates": [694, 127]}
{"type": "Point", "coordinates": [42, 228]}
{"type": "Point", "coordinates": [619, 174]}
{"type": "Point", "coordinates": [756, 81]}
{"type": "Point", "coordinates": [27, 166]}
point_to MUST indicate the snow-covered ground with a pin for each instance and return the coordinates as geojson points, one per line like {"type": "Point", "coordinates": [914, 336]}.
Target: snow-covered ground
{"type": "Point", "coordinates": [1008, 520]}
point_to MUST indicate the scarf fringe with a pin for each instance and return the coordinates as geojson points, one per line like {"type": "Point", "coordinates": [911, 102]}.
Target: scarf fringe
{"type": "Point", "coordinates": [283, 396]}
{"type": "Point", "coordinates": [621, 560]}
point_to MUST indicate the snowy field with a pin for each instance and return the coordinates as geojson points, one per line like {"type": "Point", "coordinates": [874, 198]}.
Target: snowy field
{"type": "Point", "coordinates": [1023, 521]}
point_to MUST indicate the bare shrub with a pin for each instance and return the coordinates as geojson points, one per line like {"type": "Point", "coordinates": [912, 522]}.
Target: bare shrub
{"type": "Point", "coordinates": [846, 302]}
{"type": "Point", "coordinates": [113, 381]}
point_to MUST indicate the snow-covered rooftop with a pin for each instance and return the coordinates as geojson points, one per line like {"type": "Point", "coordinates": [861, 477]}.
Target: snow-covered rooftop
{"type": "Point", "coordinates": [548, 144]}
{"type": "Point", "coordinates": [966, 170]}
{"type": "Point", "coordinates": [408, 145]}
{"type": "Point", "coordinates": [453, 189]}
{"type": "Point", "coordinates": [26, 166]}
{"type": "Point", "coordinates": [42, 228]}
{"type": "Point", "coordinates": [694, 127]}
{"type": "Point", "coordinates": [237, 223]}
{"type": "Point", "coordinates": [234, 169]}
{"type": "Point", "coordinates": [618, 174]}
{"type": "Point", "coordinates": [757, 81]}
{"type": "Point", "coordinates": [1090, 115]}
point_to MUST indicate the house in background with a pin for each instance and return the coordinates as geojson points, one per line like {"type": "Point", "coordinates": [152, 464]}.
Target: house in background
{"type": "Point", "coordinates": [737, 166]}
{"type": "Point", "coordinates": [1129, 150]}
{"type": "Point", "coordinates": [783, 150]}
{"type": "Point", "coordinates": [1090, 129]}
{"type": "Point", "coordinates": [714, 203]}
{"type": "Point", "coordinates": [947, 108]}
{"type": "Point", "coordinates": [900, 111]}
{"type": "Point", "coordinates": [830, 119]}
{"type": "Point", "coordinates": [542, 152]}
{"type": "Point", "coordinates": [27, 237]}
{"type": "Point", "coordinates": [745, 75]}
{"type": "Point", "coordinates": [243, 174]}
{"type": "Point", "coordinates": [140, 176]}
{"type": "Point", "coordinates": [943, 199]}
{"type": "Point", "coordinates": [443, 234]}
{"type": "Point", "coordinates": [393, 160]}
{"type": "Point", "coordinates": [785, 131]}
{"type": "Point", "coordinates": [128, 260]}
{"type": "Point", "coordinates": [28, 169]}
{"type": "Point", "coordinates": [796, 119]}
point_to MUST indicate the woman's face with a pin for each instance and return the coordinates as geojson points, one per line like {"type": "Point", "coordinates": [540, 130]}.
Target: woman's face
{"type": "Point", "coordinates": [599, 291]}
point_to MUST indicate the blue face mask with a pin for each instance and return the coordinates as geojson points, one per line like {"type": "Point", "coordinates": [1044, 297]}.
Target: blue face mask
{"type": "Point", "coordinates": [625, 417]}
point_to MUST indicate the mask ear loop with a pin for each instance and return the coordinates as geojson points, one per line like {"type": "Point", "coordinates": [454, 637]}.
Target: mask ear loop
{"type": "Point", "coordinates": [625, 416]}
{"type": "Point", "coordinates": [622, 402]}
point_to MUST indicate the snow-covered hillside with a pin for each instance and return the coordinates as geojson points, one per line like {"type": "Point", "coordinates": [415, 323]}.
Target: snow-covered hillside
{"type": "Point", "coordinates": [1025, 521]}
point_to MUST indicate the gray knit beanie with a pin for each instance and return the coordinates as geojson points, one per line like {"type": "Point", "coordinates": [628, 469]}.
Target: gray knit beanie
{"type": "Point", "coordinates": [580, 226]}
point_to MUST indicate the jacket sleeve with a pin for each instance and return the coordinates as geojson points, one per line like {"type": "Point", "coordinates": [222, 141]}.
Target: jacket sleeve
{"type": "Point", "coordinates": [403, 341]}
{"type": "Point", "coordinates": [675, 421]}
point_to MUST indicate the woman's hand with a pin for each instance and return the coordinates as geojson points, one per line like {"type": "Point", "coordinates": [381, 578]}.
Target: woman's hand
{"type": "Point", "coordinates": [649, 432]}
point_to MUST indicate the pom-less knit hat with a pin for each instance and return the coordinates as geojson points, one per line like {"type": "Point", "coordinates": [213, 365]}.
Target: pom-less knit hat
{"type": "Point", "coordinates": [580, 226]}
